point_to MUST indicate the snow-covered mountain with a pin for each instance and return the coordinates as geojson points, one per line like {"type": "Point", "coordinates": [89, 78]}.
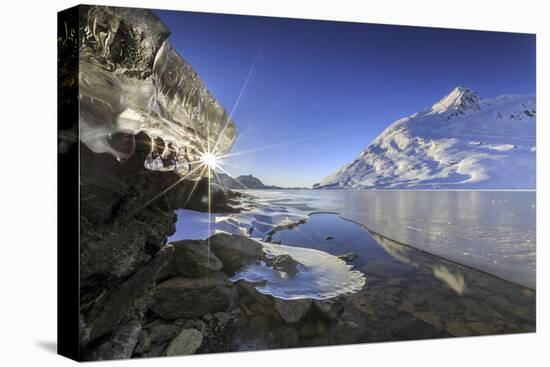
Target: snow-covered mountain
{"type": "Point", "coordinates": [461, 142]}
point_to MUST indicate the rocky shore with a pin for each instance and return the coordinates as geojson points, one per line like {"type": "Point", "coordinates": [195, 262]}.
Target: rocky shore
{"type": "Point", "coordinates": [144, 297]}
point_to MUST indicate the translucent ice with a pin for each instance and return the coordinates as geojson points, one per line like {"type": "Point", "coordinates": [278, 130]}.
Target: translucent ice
{"type": "Point", "coordinates": [132, 80]}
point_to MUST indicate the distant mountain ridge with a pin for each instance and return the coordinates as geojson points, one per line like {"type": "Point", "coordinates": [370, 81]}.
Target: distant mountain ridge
{"type": "Point", "coordinates": [460, 142]}
{"type": "Point", "coordinates": [243, 182]}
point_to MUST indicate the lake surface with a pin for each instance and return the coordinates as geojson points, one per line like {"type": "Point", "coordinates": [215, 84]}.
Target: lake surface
{"type": "Point", "coordinates": [492, 231]}
{"type": "Point", "coordinates": [436, 263]}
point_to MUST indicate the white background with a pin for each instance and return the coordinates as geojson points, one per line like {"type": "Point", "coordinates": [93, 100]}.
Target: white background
{"type": "Point", "coordinates": [28, 182]}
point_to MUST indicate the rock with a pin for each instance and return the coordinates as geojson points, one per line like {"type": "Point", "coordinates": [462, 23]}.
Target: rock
{"type": "Point", "coordinates": [124, 221]}
{"type": "Point", "coordinates": [481, 328]}
{"type": "Point", "coordinates": [144, 344]}
{"type": "Point", "coordinates": [393, 282]}
{"type": "Point", "coordinates": [311, 329]}
{"type": "Point", "coordinates": [235, 251]}
{"type": "Point", "coordinates": [327, 238]}
{"type": "Point", "coordinates": [187, 342]}
{"type": "Point", "coordinates": [330, 308]}
{"type": "Point", "coordinates": [284, 263]}
{"type": "Point", "coordinates": [292, 310]}
{"type": "Point", "coordinates": [119, 346]}
{"type": "Point", "coordinates": [457, 328]}
{"type": "Point", "coordinates": [181, 297]}
{"type": "Point", "coordinates": [253, 302]}
{"type": "Point", "coordinates": [418, 329]}
{"type": "Point", "coordinates": [163, 332]}
{"type": "Point", "coordinates": [156, 351]}
{"type": "Point", "coordinates": [191, 259]}
{"type": "Point", "coordinates": [223, 318]}
{"type": "Point", "coordinates": [349, 257]}
{"type": "Point", "coordinates": [127, 301]}
{"type": "Point", "coordinates": [401, 322]}
{"type": "Point", "coordinates": [429, 317]}
{"type": "Point", "coordinates": [503, 304]}
{"type": "Point", "coordinates": [196, 324]}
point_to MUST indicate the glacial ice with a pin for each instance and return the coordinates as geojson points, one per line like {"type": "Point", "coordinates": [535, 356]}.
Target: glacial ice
{"type": "Point", "coordinates": [132, 80]}
{"type": "Point", "coordinates": [322, 275]}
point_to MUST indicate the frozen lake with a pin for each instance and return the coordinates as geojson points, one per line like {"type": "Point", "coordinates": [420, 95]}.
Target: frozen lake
{"type": "Point", "coordinates": [492, 231]}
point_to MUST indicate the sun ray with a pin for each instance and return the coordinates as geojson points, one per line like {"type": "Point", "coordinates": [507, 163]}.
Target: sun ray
{"type": "Point", "coordinates": [194, 186]}
{"type": "Point", "coordinates": [209, 219]}
{"type": "Point", "coordinates": [243, 88]}
{"type": "Point", "coordinates": [219, 180]}
{"type": "Point", "coordinates": [180, 180]}
{"type": "Point", "coordinates": [278, 145]}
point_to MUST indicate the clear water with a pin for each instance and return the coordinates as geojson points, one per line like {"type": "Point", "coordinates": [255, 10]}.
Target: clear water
{"type": "Point", "coordinates": [492, 231]}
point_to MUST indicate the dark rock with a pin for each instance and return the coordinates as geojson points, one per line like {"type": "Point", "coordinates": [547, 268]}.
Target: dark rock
{"type": "Point", "coordinates": [120, 345]}
{"type": "Point", "coordinates": [418, 329]}
{"type": "Point", "coordinates": [163, 332]}
{"type": "Point", "coordinates": [349, 256]}
{"type": "Point", "coordinates": [457, 328]}
{"type": "Point", "coordinates": [127, 301]}
{"type": "Point", "coordinates": [284, 263]}
{"type": "Point", "coordinates": [312, 328]}
{"type": "Point", "coordinates": [328, 238]}
{"type": "Point", "coordinates": [144, 344]}
{"type": "Point", "coordinates": [223, 318]}
{"type": "Point", "coordinates": [156, 351]}
{"type": "Point", "coordinates": [330, 308]}
{"type": "Point", "coordinates": [187, 342]}
{"type": "Point", "coordinates": [235, 251]}
{"type": "Point", "coordinates": [253, 302]}
{"type": "Point", "coordinates": [191, 259]}
{"type": "Point", "coordinates": [181, 297]}
{"type": "Point", "coordinates": [292, 310]}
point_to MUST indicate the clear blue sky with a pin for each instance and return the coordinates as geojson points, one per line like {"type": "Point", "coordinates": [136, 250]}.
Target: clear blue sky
{"type": "Point", "coordinates": [338, 85]}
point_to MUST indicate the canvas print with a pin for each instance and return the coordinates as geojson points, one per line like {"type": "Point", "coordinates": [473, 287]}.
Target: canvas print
{"type": "Point", "coordinates": [237, 183]}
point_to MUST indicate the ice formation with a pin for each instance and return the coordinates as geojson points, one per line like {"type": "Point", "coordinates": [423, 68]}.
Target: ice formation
{"type": "Point", "coordinates": [132, 80]}
{"type": "Point", "coordinates": [322, 275]}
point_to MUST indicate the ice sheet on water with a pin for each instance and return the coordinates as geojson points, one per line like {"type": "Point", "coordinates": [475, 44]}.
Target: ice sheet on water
{"type": "Point", "coordinates": [322, 275]}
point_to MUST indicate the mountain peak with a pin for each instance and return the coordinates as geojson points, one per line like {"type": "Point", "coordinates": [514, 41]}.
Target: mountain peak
{"type": "Point", "coordinates": [460, 99]}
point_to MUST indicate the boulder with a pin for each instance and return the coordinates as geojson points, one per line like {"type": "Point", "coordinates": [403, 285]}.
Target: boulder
{"type": "Point", "coordinates": [192, 259]}
{"type": "Point", "coordinates": [187, 342]}
{"type": "Point", "coordinates": [144, 344]}
{"type": "Point", "coordinates": [120, 345]}
{"type": "Point", "coordinates": [163, 332]}
{"type": "Point", "coordinates": [330, 308]}
{"type": "Point", "coordinates": [284, 263]}
{"type": "Point", "coordinates": [292, 310]}
{"type": "Point", "coordinates": [253, 302]}
{"type": "Point", "coordinates": [181, 297]}
{"type": "Point", "coordinates": [129, 300]}
{"type": "Point", "coordinates": [235, 251]}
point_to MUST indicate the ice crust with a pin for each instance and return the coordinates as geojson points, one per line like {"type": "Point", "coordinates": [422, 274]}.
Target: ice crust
{"type": "Point", "coordinates": [322, 275]}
